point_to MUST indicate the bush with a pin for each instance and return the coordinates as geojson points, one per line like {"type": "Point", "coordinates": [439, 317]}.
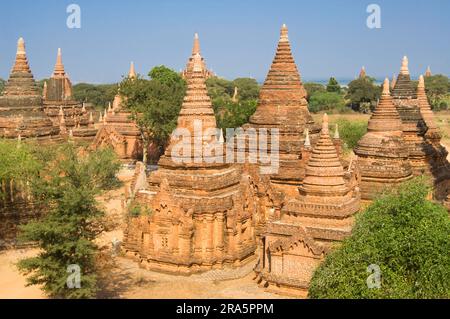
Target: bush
{"type": "Point", "coordinates": [327, 101]}
{"type": "Point", "coordinates": [403, 233]}
{"type": "Point", "coordinates": [351, 132]}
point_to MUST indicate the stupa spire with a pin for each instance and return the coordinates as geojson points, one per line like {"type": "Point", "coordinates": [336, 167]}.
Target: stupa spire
{"type": "Point", "coordinates": [425, 108]}
{"type": "Point", "coordinates": [405, 69]}
{"type": "Point", "coordinates": [21, 62]}
{"type": "Point", "coordinates": [196, 46]}
{"type": "Point", "coordinates": [59, 66]}
{"type": "Point", "coordinates": [362, 73]}
{"type": "Point", "coordinates": [132, 72]}
{"type": "Point", "coordinates": [428, 72]}
{"type": "Point", "coordinates": [284, 33]}
{"type": "Point", "coordinates": [385, 117]}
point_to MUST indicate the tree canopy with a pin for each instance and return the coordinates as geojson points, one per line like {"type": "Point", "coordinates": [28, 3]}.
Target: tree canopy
{"type": "Point", "coordinates": [438, 91]}
{"type": "Point", "coordinates": [327, 101]}
{"type": "Point", "coordinates": [363, 94]}
{"type": "Point", "coordinates": [65, 235]}
{"type": "Point", "coordinates": [333, 86]}
{"type": "Point", "coordinates": [98, 95]}
{"type": "Point", "coordinates": [405, 236]}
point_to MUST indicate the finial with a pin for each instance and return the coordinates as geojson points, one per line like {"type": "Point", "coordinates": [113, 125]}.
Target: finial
{"type": "Point", "coordinates": [307, 139]}
{"type": "Point", "coordinates": [325, 129]}
{"type": "Point", "coordinates": [428, 72]}
{"type": "Point", "coordinates": [196, 46]}
{"type": "Point", "coordinates": [91, 118]}
{"type": "Point", "coordinates": [404, 69]}
{"type": "Point", "coordinates": [386, 90]}
{"type": "Point", "coordinates": [21, 46]}
{"type": "Point", "coordinates": [132, 72]}
{"type": "Point", "coordinates": [284, 33]}
{"type": "Point", "coordinates": [221, 139]}
{"type": "Point", "coordinates": [336, 132]}
{"type": "Point", "coordinates": [100, 118]}
{"type": "Point", "coordinates": [83, 109]}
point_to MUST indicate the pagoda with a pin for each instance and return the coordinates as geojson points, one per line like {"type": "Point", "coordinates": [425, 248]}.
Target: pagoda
{"type": "Point", "coordinates": [439, 165]}
{"type": "Point", "coordinates": [282, 106]}
{"type": "Point", "coordinates": [293, 246]}
{"type": "Point", "coordinates": [413, 125]}
{"type": "Point", "coordinates": [362, 73]}
{"type": "Point", "coordinates": [119, 131]}
{"type": "Point", "coordinates": [197, 219]}
{"type": "Point", "coordinates": [62, 108]}
{"type": "Point", "coordinates": [21, 106]}
{"type": "Point", "coordinates": [190, 64]}
{"type": "Point", "coordinates": [382, 152]}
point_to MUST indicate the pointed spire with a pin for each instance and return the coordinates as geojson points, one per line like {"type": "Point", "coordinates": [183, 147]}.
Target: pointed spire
{"type": "Point", "coordinates": [362, 73]}
{"type": "Point", "coordinates": [404, 69]}
{"type": "Point", "coordinates": [425, 108]}
{"type": "Point", "coordinates": [336, 132]}
{"type": "Point", "coordinates": [385, 118]}
{"type": "Point", "coordinates": [325, 128]}
{"type": "Point", "coordinates": [307, 143]}
{"type": "Point", "coordinates": [428, 72]}
{"type": "Point", "coordinates": [91, 118]}
{"type": "Point", "coordinates": [21, 63]}
{"type": "Point", "coordinates": [44, 91]}
{"type": "Point", "coordinates": [132, 72]}
{"type": "Point", "coordinates": [109, 107]}
{"type": "Point", "coordinates": [284, 33]}
{"type": "Point", "coordinates": [393, 82]}
{"type": "Point", "coordinates": [196, 46]}
{"type": "Point", "coordinates": [100, 118]}
{"type": "Point", "coordinates": [59, 67]}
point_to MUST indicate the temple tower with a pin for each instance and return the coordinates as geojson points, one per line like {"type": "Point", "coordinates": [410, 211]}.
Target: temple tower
{"type": "Point", "coordinates": [282, 106]}
{"type": "Point", "coordinates": [382, 153]}
{"type": "Point", "coordinates": [58, 98]}
{"type": "Point", "coordinates": [190, 64]}
{"type": "Point", "coordinates": [293, 246]}
{"type": "Point", "coordinates": [21, 108]}
{"type": "Point", "coordinates": [198, 221]}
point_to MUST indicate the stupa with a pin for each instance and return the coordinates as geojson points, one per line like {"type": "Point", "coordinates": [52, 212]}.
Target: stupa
{"type": "Point", "coordinates": [439, 165]}
{"type": "Point", "coordinates": [362, 73]}
{"type": "Point", "coordinates": [62, 108]}
{"type": "Point", "coordinates": [190, 64]}
{"type": "Point", "coordinates": [292, 246]}
{"type": "Point", "coordinates": [382, 152]}
{"type": "Point", "coordinates": [282, 106]}
{"type": "Point", "coordinates": [119, 131]}
{"type": "Point", "coordinates": [196, 218]}
{"type": "Point", "coordinates": [428, 72]}
{"type": "Point", "coordinates": [21, 108]}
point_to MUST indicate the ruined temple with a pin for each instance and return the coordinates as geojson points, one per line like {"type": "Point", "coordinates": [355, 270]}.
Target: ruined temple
{"type": "Point", "coordinates": [65, 112]}
{"type": "Point", "coordinates": [195, 214]}
{"type": "Point", "coordinates": [382, 151]}
{"type": "Point", "coordinates": [21, 106]}
{"type": "Point", "coordinates": [189, 67]}
{"type": "Point", "coordinates": [282, 106]}
{"type": "Point", "coordinates": [118, 130]}
{"type": "Point", "coordinates": [293, 245]}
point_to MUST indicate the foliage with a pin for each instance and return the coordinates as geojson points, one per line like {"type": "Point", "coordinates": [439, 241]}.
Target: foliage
{"type": "Point", "coordinates": [248, 89]}
{"type": "Point", "coordinates": [403, 233]}
{"type": "Point", "coordinates": [312, 88]}
{"type": "Point", "coordinates": [333, 86]}
{"type": "Point", "coordinates": [65, 235]}
{"type": "Point", "coordinates": [327, 101]}
{"type": "Point", "coordinates": [363, 92]}
{"type": "Point", "coordinates": [155, 104]}
{"type": "Point", "coordinates": [2, 85]}
{"type": "Point", "coordinates": [438, 89]}
{"type": "Point", "coordinates": [136, 210]}
{"type": "Point", "coordinates": [235, 114]}
{"type": "Point", "coordinates": [351, 132]}
{"type": "Point", "coordinates": [98, 95]}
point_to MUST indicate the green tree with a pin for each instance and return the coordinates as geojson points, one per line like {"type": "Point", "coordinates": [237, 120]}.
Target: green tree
{"type": "Point", "coordinates": [437, 88]}
{"type": "Point", "coordinates": [234, 115]}
{"type": "Point", "coordinates": [351, 132]}
{"type": "Point", "coordinates": [99, 95]}
{"type": "Point", "coordinates": [248, 88]}
{"type": "Point", "coordinates": [155, 104]}
{"type": "Point", "coordinates": [312, 88]}
{"type": "Point", "coordinates": [363, 93]}
{"type": "Point", "coordinates": [66, 234]}
{"type": "Point", "coordinates": [406, 235]}
{"type": "Point", "coordinates": [327, 101]}
{"type": "Point", "coordinates": [333, 86]}
{"type": "Point", "coordinates": [2, 85]}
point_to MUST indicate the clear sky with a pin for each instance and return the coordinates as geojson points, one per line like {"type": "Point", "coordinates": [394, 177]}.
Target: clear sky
{"type": "Point", "coordinates": [238, 37]}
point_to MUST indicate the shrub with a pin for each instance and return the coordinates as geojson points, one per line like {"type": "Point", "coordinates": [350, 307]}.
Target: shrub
{"type": "Point", "coordinates": [403, 233]}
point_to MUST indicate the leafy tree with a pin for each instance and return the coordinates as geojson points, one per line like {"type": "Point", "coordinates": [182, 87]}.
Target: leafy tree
{"type": "Point", "coordinates": [327, 101]}
{"type": "Point", "coordinates": [155, 104]}
{"type": "Point", "coordinates": [437, 88]}
{"type": "Point", "coordinates": [333, 86]}
{"type": "Point", "coordinates": [99, 95]}
{"type": "Point", "coordinates": [219, 89]}
{"type": "Point", "coordinates": [312, 88]}
{"type": "Point", "coordinates": [66, 234]}
{"type": "Point", "coordinates": [248, 88]}
{"type": "Point", "coordinates": [351, 132]}
{"type": "Point", "coordinates": [2, 85]}
{"type": "Point", "coordinates": [363, 92]}
{"type": "Point", "coordinates": [403, 233]}
{"type": "Point", "coordinates": [235, 115]}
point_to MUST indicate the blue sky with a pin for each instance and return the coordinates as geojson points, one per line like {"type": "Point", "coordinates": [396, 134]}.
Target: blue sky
{"type": "Point", "coordinates": [238, 38]}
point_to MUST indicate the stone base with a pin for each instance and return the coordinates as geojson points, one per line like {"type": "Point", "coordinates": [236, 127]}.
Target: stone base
{"type": "Point", "coordinates": [282, 286]}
